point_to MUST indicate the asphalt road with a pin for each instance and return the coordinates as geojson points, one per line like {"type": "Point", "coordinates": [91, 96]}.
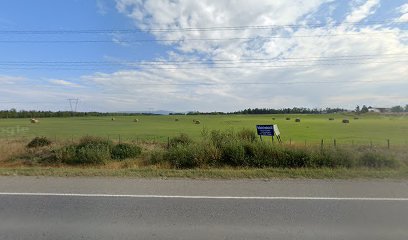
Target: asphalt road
{"type": "Point", "coordinates": [103, 208]}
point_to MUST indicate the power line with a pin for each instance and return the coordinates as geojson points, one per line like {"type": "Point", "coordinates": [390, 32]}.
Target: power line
{"type": "Point", "coordinates": [206, 61]}
{"type": "Point", "coordinates": [249, 83]}
{"type": "Point", "coordinates": [197, 39]}
{"type": "Point", "coordinates": [213, 28]}
{"type": "Point", "coordinates": [201, 67]}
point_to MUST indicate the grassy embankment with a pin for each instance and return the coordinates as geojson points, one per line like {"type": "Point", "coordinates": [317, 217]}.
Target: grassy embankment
{"type": "Point", "coordinates": [218, 154]}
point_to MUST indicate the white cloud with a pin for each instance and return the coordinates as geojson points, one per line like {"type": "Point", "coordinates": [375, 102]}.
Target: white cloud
{"type": "Point", "coordinates": [362, 11]}
{"type": "Point", "coordinates": [311, 73]}
{"type": "Point", "coordinates": [404, 11]}
{"type": "Point", "coordinates": [310, 82]}
{"type": "Point", "coordinates": [64, 83]}
{"type": "Point", "coordinates": [101, 7]}
{"type": "Point", "coordinates": [4, 79]}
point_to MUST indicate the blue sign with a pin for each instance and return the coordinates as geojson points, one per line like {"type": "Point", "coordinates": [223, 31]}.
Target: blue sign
{"type": "Point", "coordinates": [265, 130]}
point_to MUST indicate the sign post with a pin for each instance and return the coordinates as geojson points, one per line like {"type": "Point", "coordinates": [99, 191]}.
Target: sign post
{"type": "Point", "coordinates": [268, 130]}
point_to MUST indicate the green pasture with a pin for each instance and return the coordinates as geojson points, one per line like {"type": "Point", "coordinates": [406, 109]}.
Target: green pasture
{"type": "Point", "coordinates": [368, 128]}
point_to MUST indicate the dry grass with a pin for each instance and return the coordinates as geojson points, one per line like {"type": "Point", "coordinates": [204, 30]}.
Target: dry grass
{"type": "Point", "coordinates": [11, 149]}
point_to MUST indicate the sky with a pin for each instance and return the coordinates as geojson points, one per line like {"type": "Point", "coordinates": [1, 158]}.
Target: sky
{"type": "Point", "coordinates": [207, 55]}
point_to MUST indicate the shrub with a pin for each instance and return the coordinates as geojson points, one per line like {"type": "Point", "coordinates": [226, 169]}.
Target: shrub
{"type": "Point", "coordinates": [373, 159]}
{"type": "Point", "coordinates": [125, 150]}
{"type": "Point", "coordinates": [295, 158]}
{"type": "Point", "coordinates": [219, 138]}
{"type": "Point", "coordinates": [94, 141]}
{"type": "Point", "coordinates": [333, 158]}
{"type": "Point", "coordinates": [261, 155]}
{"type": "Point", "coordinates": [156, 157]}
{"type": "Point", "coordinates": [247, 135]}
{"type": "Point", "coordinates": [233, 154]}
{"type": "Point", "coordinates": [39, 142]}
{"type": "Point", "coordinates": [90, 150]}
{"type": "Point", "coordinates": [182, 139]}
{"type": "Point", "coordinates": [85, 154]}
{"type": "Point", "coordinates": [183, 156]}
{"type": "Point", "coordinates": [190, 156]}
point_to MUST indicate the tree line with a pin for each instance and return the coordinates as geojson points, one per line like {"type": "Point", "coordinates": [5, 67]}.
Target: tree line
{"type": "Point", "coordinates": [394, 109]}
{"type": "Point", "coordinates": [13, 113]}
{"type": "Point", "coordinates": [294, 110]}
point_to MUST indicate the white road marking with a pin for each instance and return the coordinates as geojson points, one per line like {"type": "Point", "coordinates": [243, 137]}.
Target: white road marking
{"type": "Point", "coordinates": [203, 197]}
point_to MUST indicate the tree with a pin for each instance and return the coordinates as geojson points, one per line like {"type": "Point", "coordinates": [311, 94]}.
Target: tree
{"type": "Point", "coordinates": [364, 109]}
{"type": "Point", "coordinates": [397, 109]}
{"type": "Point", "coordinates": [406, 108]}
{"type": "Point", "coordinates": [357, 109]}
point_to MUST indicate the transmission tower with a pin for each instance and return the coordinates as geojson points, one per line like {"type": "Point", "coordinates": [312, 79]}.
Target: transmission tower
{"type": "Point", "coordinates": [73, 104]}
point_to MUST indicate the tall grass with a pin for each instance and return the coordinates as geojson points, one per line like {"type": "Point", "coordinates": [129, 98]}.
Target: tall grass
{"type": "Point", "coordinates": [216, 149]}
{"type": "Point", "coordinates": [241, 149]}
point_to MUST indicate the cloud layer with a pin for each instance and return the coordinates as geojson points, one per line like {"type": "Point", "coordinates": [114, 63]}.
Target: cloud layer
{"type": "Point", "coordinates": [309, 56]}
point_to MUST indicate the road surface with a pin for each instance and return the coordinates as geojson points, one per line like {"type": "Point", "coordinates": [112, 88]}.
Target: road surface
{"type": "Point", "coordinates": [114, 208]}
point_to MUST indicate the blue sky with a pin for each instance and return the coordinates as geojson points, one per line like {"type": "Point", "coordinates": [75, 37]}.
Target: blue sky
{"type": "Point", "coordinates": [325, 53]}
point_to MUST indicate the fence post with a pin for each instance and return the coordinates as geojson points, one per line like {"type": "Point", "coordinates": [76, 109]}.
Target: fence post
{"type": "Point", "coordinates": [290, 141]}
{"type": "Point", "coordinates": [168, 142]}
{"type": "Point", "coordinates": [335, 143]}
{"type": "Point", "coordinates": [388, 143]}
{"type": "Point", "coordinates": [321, 145]}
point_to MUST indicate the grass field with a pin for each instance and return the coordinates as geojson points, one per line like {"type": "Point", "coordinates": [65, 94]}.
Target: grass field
{"type": "Point", "coordinates": [312, 128]}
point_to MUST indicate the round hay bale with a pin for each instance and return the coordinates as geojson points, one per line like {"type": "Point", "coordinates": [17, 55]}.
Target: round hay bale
{"type": "Point", "coordinates": [113, 119]}
{"type": "Point", "coordinates": [136, 120]}
{"type": "Point", "coordinates": [297, 120]}
{"type": "Point", "coordinates": [346, 121]}
{"type": "Point", "coordinates": [288, 118]}
{"type": "Point", "coordinates": [176, 119]}
{"type": "Point", "coordinates": [33, 120]}
{"type": "Point", "coordinates": [331, 119]}
{"type": "Point", "coordinates": [197, 122]}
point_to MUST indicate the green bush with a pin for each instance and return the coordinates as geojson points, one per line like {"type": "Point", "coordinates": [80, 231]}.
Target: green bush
{"type": "Point", "coordinates": [124, 150]}
{"type": "Point", "coordinates": [89, 150]}
{"type": "Point", "coordinates": [182, 139]}
{"type": "Point", "coordinates": [333, 158]}
{"type": "Point", "coordinates": [39, 142]}
{"type": "Point", "coordinates": [184, 156]}
{"type": "Point", "coordinates": [247, 135]}
{"type": "Point", "coordinates": [374, 159]}
{"type": "Point", "coordinates": [295, 158]}
{"type": "Point", "coordinates": [233, 154]}
{"type": "Point", "coordinates": [95, 141]}
{"type": "Point", "coordinates": [85, 154]}
{"type": "Point", "coordinates": [219, 138]}
{"type": "Point", "coordinates": [265, 155]}
{"type": "Point", "coordinates": [191, 156]}
{"type": "Point", "coordinates": [156, 157]}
